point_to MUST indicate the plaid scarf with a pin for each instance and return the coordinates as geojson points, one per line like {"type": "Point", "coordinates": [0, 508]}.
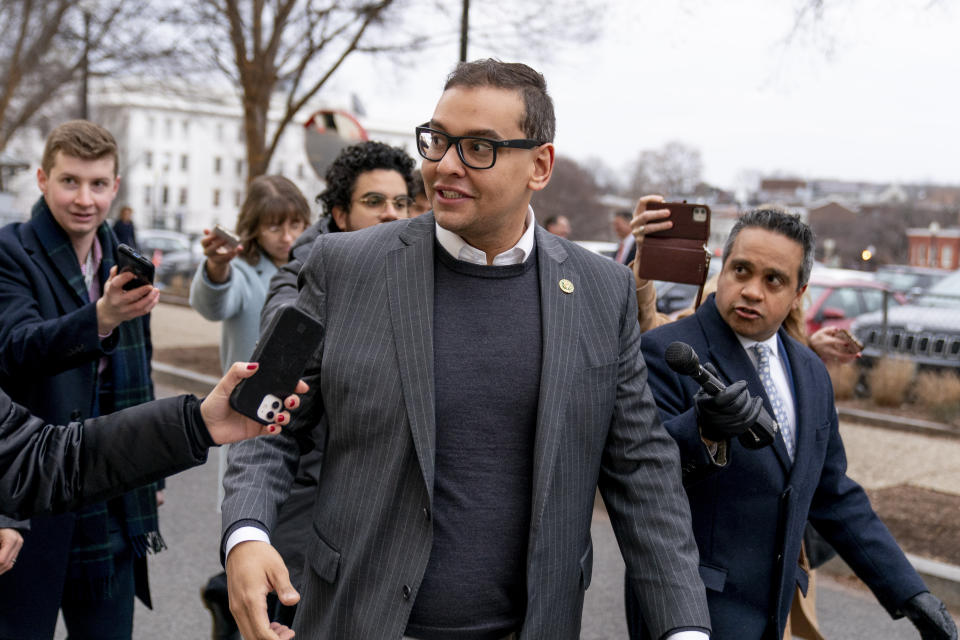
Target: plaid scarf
{"type": "Point", "coordinates": [91, 561]}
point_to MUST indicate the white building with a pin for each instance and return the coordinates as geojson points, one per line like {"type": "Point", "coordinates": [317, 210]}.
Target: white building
{"type": "Point", "coordinates": [183, 158]}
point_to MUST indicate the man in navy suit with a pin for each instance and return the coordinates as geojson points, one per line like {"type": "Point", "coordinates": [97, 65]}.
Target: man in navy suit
{"type": "Point", "coordinates": [750, 506]}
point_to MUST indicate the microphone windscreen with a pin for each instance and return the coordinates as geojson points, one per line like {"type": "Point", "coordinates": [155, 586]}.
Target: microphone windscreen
{"type": "Point", "coordinates": [682, 358]}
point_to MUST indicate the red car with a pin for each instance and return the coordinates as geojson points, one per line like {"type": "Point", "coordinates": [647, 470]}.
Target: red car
{"type": "Point", "coordinates": [838, 302]}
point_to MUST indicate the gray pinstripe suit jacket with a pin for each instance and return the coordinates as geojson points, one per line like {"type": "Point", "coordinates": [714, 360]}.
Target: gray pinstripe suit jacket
{"type": "Point", "coordinates": [597, 426]}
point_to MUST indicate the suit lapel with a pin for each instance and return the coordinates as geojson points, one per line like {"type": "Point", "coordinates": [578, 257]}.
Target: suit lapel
{"type": "Point", "coordinates": [409, 277]}
{"type": "Point", "coordinates": [560, 322]}
{"type": "Point", "coordinates": [733, 363]}
{"type": "Point", "coordinates": [53, 242]}
{"type": "Point", "coordinates": [804, 397]}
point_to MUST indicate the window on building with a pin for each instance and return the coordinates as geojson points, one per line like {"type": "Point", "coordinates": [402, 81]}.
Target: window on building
{"type": "Point", "coordinates": [239, 164]}
{"type": "Point", "coordinates": [148, 159]}
{"type": "Point", "coordinates": [946, 257]}
{"type": "Point", "coordinates": [237, 198]}
{"type": "Point", "coordinates": [217, 164]}
{"type": "Point", "coordinates": [216, 197]}
{"type": "Point", "coordinates": [147, 196]}
{"type": "Point", "coordinates": [183, 195]}
{"type": "Point", "coordinates": [165, 195]}
{"type": "Point", "coordinates": [186, 128]}
{"type": "Point", "coordinates": [167, 157]}
{"type": "Point", "coordinates": [168, 128]}
{"type": "Point", "coordinates": [184, 162]}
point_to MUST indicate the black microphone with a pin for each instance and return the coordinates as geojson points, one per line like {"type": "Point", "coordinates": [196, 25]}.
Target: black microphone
{"type": "Point", "coordinates": [683, 359]}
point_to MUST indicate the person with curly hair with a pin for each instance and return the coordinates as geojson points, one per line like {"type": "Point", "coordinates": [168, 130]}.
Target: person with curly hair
{"type": "Point", "coordinates": [367, 184]}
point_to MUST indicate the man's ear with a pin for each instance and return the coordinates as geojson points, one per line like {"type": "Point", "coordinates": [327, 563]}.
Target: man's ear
{"type": "Point", "coordinates": [798, 301]}
{"type": "Point", "coordinates": [340, 217]}
{"type": "Point", "coordinates": [543, 161]}
{"type": "Point", "coordinates": [42, 180]}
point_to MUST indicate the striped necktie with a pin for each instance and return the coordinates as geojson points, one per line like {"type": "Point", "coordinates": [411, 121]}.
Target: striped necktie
{"type": "Point", "coordinates": [776, 401]}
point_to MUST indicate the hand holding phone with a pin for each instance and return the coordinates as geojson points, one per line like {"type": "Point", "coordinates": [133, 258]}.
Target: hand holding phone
{"type": "Point", "coordinates": [283, 351]}
{"type": "Point", "coordinates": [128, 259]}
{"type": "Point", "coordinates": [230, 239]}
{"type": "Point", "coordinates": [676, 253]}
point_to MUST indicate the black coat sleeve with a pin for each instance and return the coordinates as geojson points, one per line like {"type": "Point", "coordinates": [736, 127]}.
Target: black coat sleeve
{"type": "Point", "coordinates": [57, 468]}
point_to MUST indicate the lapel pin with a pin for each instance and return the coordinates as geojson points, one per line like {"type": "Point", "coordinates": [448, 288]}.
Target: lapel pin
{"type": "Point", "coordinates": [566, 286]}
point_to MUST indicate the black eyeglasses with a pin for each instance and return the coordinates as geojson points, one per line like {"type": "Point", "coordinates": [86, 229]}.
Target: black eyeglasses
{"type": "Point", "coordinates": [476, 153]}
{"type": "Point", "coordinates": [379, 201]}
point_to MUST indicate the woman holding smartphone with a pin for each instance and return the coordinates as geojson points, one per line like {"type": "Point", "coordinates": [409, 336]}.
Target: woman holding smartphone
{"type": "Point", "coordinates": [232, 283]}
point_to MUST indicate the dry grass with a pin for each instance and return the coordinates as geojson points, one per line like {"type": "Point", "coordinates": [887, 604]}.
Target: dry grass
{"type": "Point", "coordinates": [939, 393]}
{"type": "Point", "coordinates": [844, 378]}
{"type": "Point", "coordinates": [890, 381]}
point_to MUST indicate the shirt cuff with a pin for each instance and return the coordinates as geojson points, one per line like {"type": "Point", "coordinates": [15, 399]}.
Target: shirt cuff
{"type": "Point", "coordinates": [687, 635]}
{"type": "Point", "coordinates": [245, 534]}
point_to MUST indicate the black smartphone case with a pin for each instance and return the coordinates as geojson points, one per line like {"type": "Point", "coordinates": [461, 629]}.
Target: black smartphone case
{"type": "Point", "coordinates": [283, 351]}
{"type": "Point", "coordinates": [130, 260]}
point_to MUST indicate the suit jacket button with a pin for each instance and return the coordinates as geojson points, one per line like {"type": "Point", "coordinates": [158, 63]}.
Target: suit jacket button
{"type": "Point", "coordinates": [406, 592]}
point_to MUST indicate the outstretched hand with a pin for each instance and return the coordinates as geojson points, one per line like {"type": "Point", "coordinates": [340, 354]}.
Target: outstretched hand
{"type": "Point", "coordinates": [226, 425]}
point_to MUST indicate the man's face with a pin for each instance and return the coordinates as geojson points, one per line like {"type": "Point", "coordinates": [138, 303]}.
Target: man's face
{"type": "Point", "coordinates": [79, 192]}
{"type": "Point", "coordinates": [758, 284]}
{"type": "Point", "coordinates": [621, 226]}
{"type": "Point", "coordinates": [486, 207]}
{"type": "Point", "coordinates": [378, 184]}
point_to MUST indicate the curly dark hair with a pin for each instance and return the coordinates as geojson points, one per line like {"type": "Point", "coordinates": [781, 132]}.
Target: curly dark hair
{"type": "Point", "coordinates": [359, 158]}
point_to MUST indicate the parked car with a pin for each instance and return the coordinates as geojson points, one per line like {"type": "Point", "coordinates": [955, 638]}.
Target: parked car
{"type": "Point", "coordinates": [926, 331]}
{"type": "Point", "coordinates": [838, 302]}
{"type": "Point", "coordinates": [172, 253]}
{"type": "Point", "coordinates": [911, 281]}
{"type": "Point", "coordinates": [676, 296]}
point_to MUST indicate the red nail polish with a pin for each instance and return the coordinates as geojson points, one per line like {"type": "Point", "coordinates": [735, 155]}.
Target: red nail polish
{"type": "Point", "coordinates": [272, 428]}
{"type": "Point", "coordinates": [280, 418]}
{"type": "Point", "coordinates": [252, 366]}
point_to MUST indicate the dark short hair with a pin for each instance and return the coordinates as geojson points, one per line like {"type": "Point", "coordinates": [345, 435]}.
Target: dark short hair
{"type": "Point", "coordinates": [418, 188]}
{"type": "Point", "coordinates": [80, 139]}
{"type": "Point", "coordinates": [354, 160]}
{"type": "Point", "coordinates": [786, 224]}
{"type": "Point", "coordinates": [270, 200]}
{"type": "Point", "coordinates": [626, 214]}
{"type": "Point", "coordinates": [552, 220]}
{"type": "Point", "coordinates": [538, 121]}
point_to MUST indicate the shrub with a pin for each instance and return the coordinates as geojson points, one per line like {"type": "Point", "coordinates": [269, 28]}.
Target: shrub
{"type": "Point", "coordinates": [844, 378]}
{"type": "Point", "coordinates": [938, 393]}
{"type": "Point", "coordinates": [890, 381]}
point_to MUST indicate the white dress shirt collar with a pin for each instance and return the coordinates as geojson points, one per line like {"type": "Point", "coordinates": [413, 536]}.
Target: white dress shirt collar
{"type": "Point", "coordinates": [517, 254]}
{"type": "Point", "coordinates": [771, 342]}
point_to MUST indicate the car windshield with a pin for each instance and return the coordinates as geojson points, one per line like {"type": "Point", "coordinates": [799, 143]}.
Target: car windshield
{"type": "Point", "coordinates": [945, 293]}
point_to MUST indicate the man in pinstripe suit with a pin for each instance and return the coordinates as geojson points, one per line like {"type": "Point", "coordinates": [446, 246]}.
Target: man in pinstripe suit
{"type": "Point", "coordinates": [480, 378]}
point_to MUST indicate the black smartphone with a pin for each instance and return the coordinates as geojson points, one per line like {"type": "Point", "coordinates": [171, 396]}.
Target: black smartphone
{"type": "Point", "coordinates": [283, 351]}
{"type": "Point", "coordinates": [130, 260]}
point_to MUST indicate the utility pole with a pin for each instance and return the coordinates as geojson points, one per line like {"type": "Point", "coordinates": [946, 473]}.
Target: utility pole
{"type": "Point", "coordinates": [85, 67]}
{"type": "Point", "coordinates": [464, 30]}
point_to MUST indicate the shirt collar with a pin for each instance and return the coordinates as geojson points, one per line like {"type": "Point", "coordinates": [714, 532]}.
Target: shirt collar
{"type": "Point", "coordinates": [518, 254]}
{"type": "Point", "coordinates": [771, 342]}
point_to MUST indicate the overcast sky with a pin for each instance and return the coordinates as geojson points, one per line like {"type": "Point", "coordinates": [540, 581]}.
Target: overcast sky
{"type": "Point", "coordinates": [871, 93]}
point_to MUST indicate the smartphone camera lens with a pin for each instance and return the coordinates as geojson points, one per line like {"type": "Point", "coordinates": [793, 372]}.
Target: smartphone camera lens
{"type": "Point", "coordinates": [276, 404]}
{"type": "Point", "coordinates": [270, 415]}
